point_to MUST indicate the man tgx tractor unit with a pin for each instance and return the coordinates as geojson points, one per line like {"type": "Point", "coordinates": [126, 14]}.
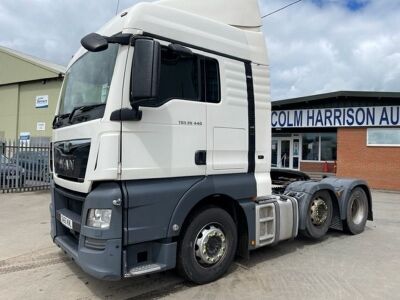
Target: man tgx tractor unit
{"type": "Point", "coordinates": [161, 148]}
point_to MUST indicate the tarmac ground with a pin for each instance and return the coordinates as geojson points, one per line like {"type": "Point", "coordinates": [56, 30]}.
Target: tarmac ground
{"type": "Point", "coordinates": [341, 266]}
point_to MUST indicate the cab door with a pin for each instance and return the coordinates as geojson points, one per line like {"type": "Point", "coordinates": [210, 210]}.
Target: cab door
{"type": "Point", "coordinates": [170, 139]}
{"type": "Point", "coordinates": [227, 116]}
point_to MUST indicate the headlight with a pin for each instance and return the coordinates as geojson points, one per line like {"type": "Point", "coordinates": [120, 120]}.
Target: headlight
{"type": "Point", "coordinates": [99, 218]}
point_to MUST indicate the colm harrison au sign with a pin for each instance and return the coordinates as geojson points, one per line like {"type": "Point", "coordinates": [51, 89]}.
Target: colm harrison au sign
{"type": "Point", "coordinates": [337, 117]}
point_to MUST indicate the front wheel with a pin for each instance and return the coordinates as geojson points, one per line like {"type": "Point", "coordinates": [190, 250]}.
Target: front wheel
{"type": "Point", "coordinates": [208, 246]}
{"type": "Point", "coordinates": [318, 216]}
{"type": "Point", "coordinates": [357, 211]}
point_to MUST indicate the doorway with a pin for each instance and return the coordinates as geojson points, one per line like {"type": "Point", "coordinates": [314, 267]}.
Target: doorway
{"type": "Point", "coordinates": [285, 152]}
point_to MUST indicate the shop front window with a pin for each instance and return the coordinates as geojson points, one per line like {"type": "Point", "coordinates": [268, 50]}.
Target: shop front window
{"type": "Point", "coordinates": [319, 146]}
{"type": "Point", "coordinates": [328, 146]}
{"type": "Point", "coordinates": [274, 154]}
{"type": "Point", "coordinates": [310, 146]}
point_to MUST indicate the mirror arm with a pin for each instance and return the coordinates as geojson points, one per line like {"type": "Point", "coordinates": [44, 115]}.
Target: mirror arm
{"type": "Point", "coordinates": [121, 38]}
{"type": "Point", "coordinates": [124, 39]}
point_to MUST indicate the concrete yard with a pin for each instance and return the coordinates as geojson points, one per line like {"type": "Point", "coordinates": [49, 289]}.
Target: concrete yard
{"type": "Point", "coordinates": [341, 266]}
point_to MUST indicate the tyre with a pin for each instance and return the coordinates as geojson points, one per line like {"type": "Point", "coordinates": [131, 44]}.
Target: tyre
{"type": "Point", "coordinates": [208, 246]}
{"type": "Point", "coordinates": [318, 216]}
{"type": "Point", "coordinates": [357, 211]}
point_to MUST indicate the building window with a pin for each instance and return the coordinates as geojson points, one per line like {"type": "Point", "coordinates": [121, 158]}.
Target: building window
{"type": "Point", "coordinates": [328, 146]}
{"type": "Point", "coordinates": [386, 137]}
{"type": "Point", "coordinates": [319, 146]}
{"type": "Point", "coordinates": [310, 146]}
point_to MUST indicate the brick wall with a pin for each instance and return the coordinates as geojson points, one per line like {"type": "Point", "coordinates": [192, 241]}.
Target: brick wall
{"type": "Point", "coordinates": [379, 166]}
{"type": "Point", "coordinates": [306, 166]}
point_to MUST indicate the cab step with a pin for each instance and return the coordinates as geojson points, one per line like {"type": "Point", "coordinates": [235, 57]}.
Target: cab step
{"type": "Point", "coordinates": [145, 269]}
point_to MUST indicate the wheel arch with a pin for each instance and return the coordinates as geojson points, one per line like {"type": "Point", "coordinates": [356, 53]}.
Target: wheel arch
{"type": "Point", "coordinates": [343, 189]}
{"type": "Point", "coordinates": [369, 197]}
{"type": "Point", "coordinates": [339, 188]}
{"type": "Point", "coordinates": [233, 208]}
{"type": "Point", "coordinates": [233, 193]}
{"type": "Point", "coordinates": [308, 189]}
{"type": "Point", "coordinates": [235, 188]}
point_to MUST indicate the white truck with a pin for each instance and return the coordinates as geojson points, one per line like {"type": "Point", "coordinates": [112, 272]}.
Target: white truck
{"type": "Point", "coordinates": [162, 147]}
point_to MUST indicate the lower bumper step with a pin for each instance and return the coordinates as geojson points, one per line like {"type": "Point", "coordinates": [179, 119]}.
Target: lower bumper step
{"type": "Point", "coordinates": [145, 269]}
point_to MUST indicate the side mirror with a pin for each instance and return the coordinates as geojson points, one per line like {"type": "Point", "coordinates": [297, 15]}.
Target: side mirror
{"type": "Point", "coordinates": [145, 75]}
{"type": "Point", "coordinates": [94, 42]}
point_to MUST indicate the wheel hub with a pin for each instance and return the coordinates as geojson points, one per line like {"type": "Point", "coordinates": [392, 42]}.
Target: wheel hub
{"type": "Point", "coordinates": [210, 245]}
{"type": "Point", "coordinates": [319, 211]}
{"type": "Point", "coordinates": [357, 211]}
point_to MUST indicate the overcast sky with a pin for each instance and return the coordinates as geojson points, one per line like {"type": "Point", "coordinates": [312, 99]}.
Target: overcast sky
{"type": "Point", "coordinates": [314, 46]}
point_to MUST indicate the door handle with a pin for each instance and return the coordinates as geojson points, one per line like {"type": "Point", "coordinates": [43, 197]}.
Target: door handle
{"type": "Point", "coordinates": [200, 157]}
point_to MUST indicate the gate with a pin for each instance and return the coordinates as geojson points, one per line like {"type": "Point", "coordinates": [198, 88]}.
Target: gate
{"type": "Point", "coordinates": [24, 166]}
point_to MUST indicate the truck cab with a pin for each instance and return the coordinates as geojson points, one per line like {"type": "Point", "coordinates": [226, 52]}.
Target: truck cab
{"type": "Point", "coordinates": [161, 147]}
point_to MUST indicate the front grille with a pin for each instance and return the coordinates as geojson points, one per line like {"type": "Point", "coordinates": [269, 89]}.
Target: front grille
{"type": "Point", "coordinates": [70, 159]}
{"type": "Point", "coordinates": [69, 204]}
{"type": "Point", "coordinates": [75, 206]}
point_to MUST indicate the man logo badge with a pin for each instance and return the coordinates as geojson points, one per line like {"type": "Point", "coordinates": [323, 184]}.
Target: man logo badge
{"type": "Point", "coordinates": [66, 164]}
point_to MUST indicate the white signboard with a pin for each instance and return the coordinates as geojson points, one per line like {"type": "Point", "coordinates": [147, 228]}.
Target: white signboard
{"type": "Point", "coordinates": [24, 138]}
{"type": "Point", "coordinates": [337, 117]}
{"type": "Point", "coordinates": [40, 126]}
{"type": "Point", "coordinates": [42, 101]}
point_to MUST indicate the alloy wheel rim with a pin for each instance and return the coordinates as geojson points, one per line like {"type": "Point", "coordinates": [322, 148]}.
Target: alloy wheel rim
{"type": "Point", "coordinates": [319, 212]}
{"type": "Point", "coordinates": [357, 211]}
{"type": "Point", "coordinates": [210, 245]}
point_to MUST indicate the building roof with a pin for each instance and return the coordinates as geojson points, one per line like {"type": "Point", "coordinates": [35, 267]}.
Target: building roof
{"type": "Point", "coordinates": [23, 67]}
{"type": "Point", "coordinates": [338, 94]}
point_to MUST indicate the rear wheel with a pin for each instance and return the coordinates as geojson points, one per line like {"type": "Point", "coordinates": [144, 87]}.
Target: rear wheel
{"type": "Point", "coordinates": [208, 246]}
{"type": "Point", "coordinates": [357, 211]}
{"type": "Point", "coordinates": [318, 216]}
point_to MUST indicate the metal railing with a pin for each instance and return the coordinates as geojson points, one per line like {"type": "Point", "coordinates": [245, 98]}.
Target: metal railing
{"type": "Point", "coordinates": [24, 166]}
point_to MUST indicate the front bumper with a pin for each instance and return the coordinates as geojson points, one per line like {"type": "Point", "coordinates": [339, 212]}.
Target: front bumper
{"type": "Point", "coordinates": [97, 251]}
{"type": "Point", "coordinates": [105, 264]}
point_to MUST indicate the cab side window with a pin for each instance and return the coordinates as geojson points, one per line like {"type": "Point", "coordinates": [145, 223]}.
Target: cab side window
{"type": "Point", "coordinates": [190, 78]}
{"type": "Point", "coordinates": [179, 77]}
{"type": "Point", "coordinates": [212, 90]}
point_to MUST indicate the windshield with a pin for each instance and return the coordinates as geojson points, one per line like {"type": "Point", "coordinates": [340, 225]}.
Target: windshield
{"type": "Point", "coordinates": [88, 80]}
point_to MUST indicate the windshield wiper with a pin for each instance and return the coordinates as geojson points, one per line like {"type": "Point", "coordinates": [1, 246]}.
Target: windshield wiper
{"type": "Point", "coordinates": [82, 109]}
{"type": "Point", "coordinates": [57, 120]}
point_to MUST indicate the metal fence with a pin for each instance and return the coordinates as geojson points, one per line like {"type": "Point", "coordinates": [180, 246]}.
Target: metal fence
{"type": "Point", "coordinates": [24, 166]}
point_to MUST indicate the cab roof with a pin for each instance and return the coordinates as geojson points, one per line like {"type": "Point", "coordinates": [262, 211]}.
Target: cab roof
{"type": "Point", "coordinates": [206, 24]}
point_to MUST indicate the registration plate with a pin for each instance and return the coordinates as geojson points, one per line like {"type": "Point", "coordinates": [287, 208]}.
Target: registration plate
{"type": "Point", "coordinates": [11, 177]}
{"type": "Point", "coordinates": [67, 222]}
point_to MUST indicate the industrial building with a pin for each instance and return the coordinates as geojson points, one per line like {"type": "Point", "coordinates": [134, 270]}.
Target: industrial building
{"type": "Point", "coordinates": [29, 89]}
{"type": "Point", "coordinates": [350, 134]}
